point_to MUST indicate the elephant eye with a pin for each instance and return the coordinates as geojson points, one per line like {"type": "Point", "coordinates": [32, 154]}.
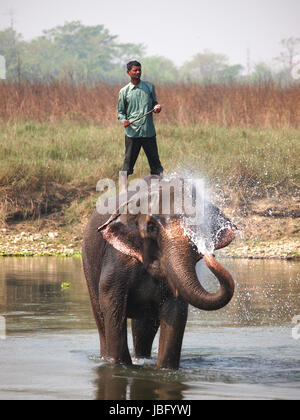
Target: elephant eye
{"type": "Point", "coordinates": [151, 227]}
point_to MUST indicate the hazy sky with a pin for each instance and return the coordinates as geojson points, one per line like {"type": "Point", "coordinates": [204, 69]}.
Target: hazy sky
{"type": "Point", "coordinates": [177, 29]}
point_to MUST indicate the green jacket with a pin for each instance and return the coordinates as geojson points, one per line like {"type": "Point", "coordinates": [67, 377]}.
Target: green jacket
{"type": "Point", "coordinates": [135, 101]}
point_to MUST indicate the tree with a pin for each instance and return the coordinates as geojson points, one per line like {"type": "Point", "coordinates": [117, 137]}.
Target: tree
{"type": "Point", "coordinates": [229, 74]}
{"type": "Point", "coordinates": [41, 60]}
{"type": "Point", "coordinates": [159, 69]}
{"type": "Point", "coordinates": [261, 74]}
{"type": "Point", "coordinates": [82, 53]}
{"type": "Point", "coordinates": [207, 67]}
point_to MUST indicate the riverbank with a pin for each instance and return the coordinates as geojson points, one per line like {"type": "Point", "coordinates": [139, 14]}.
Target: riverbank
{"type": "Point", "coordinates": [48, 186]}
{"type": "Point", "coordinates": [286, 250]}
{"type": "Point", "coordinates": [259, 238]}
{"type": "Point", "coordinates": [59, 164]}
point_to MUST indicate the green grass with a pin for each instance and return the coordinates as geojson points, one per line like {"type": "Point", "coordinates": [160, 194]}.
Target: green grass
{"type": "Point", "coordinates": [42, 164]}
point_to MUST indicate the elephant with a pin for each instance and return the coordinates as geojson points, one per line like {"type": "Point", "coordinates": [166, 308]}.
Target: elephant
{"type": "Point", "coordinates": [142, 267]}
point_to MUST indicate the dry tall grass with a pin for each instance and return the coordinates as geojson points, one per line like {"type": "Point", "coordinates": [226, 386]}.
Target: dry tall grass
{"type": "Point", "coordinates": [267, 106]}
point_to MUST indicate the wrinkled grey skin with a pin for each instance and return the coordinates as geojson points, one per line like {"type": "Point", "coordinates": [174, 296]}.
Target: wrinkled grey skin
{"type": "Point", "coordinates": [143, 267]}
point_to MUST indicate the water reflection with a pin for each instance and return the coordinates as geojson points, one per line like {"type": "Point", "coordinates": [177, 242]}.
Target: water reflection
{"type": "Point", "coordinates": [32, 297]}
{"type": "Point", "coordinates": [137, 383]}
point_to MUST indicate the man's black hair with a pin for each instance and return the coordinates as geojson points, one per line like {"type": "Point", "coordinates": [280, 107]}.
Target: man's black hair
{"type": "Point", "coordinates": [133, 63]}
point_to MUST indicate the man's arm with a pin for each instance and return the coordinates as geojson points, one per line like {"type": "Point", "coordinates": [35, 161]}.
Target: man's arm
{"type": "Point", "coordinates": [156, 106]}
{"type": "Point", "coordinates": [121, 109]}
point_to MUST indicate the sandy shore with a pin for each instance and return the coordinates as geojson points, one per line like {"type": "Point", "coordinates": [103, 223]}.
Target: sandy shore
{"type": "Point", "coordinates": [20, 241]}
{"type": "Point", "coordinates": [269, 230]}
{"type": "Point", "coordinates": [287, 249]}
{"type": "Point", "coordinates": [29, 243]}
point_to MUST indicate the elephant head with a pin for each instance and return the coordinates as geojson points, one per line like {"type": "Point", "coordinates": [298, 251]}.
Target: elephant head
{"type": "Point", "coordinates": [162, 243]}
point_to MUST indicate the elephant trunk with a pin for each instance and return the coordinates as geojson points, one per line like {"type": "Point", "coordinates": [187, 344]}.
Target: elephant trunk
{"type": "Point", "coordinates": [181, 275]}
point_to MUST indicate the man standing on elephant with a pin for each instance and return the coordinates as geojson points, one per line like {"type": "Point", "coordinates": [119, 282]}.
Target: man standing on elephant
{"type": "Point", "coordinates": [136, 99]}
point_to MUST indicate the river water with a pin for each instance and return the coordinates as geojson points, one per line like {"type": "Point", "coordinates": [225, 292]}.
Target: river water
{"type": "Point", "coordinates": [49, 345]}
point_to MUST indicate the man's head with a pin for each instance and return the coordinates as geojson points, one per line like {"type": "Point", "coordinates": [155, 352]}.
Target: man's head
{"type": "Point", "coordinates": [134, 70]}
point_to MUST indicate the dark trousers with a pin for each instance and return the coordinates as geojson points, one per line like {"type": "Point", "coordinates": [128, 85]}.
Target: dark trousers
{"type": "Point", "coordinates": [132, 150]}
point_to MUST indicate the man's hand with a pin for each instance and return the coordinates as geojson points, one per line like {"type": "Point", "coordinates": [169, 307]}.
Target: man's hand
{"type": "Point", "coordinates": [126, 123]}
{"type": "Point", "coordinates": [157, 109]}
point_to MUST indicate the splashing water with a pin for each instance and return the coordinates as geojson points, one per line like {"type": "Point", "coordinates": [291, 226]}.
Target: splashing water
{"type": "Point", "coordinates": [206, 223]}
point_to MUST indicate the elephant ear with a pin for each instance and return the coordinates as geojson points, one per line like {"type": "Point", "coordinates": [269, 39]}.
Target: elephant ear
{"type": "Point", "coordinates": [122, 233]}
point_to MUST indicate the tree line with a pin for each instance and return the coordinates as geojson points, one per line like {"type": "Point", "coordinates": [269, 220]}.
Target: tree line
{"type": "Point", "coordinates": [91, 54]}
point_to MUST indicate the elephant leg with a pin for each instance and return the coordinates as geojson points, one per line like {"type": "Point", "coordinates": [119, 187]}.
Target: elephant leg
{"type": "Point", "coordinates": [113, 306]}
{"type": "Point", "coordinates": [98, 315]}
{"type": "Point", "coordinates": [94, 297]}
{"type": "Point", "coordinates": [101, 330]}
{"type": "Point", "coordinates": [143, 333]}
{"type": "Point", "coordinates": [92, 275]}
{"type": "Point", "coordinates": [116, 341]}
{"type": "Point", "coordinates": [173, 318]}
